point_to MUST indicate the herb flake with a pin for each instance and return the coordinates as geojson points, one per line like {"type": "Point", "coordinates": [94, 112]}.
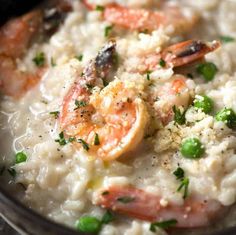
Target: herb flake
{"type": "Point", "coordinates": [184, 185]}
{"type": "Point", "coordinates": [107, 30]}
{"type": "Point", "coordinates": [99, 8]}
{"type": "Point", "coordinates": [179, 173]}
{"type": "Point", "coordinates": [79, 104]}
{"type": "Point", "coordinates": [79, 57]}
{"type": "Point", "coordinates": [55, 114]}
{"type": "Point", "coordinates": [62, 141]}
{"type": "Point", "coordinates": [96, 139]}
{"type": "Point", "coordinates": [84, 144]}
{"type": "Point", "coordinates": [179, 117]}
{"type": "Point", "coordinates": [162, 63]}
{"type": "Point", "coordinates": [163, 224]}
{"type": "Point", "coordinates": [39, 59]}
{"type": "Point", "coordinates": [226, 39]}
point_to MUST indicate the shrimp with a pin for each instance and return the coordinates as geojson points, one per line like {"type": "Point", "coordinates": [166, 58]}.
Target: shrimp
{"type": "Point", "coordinates": [180, 54]}
{"type": "Point", "coordinates": [137, 203]}
{"type": "Point", "coordinates": [145, 20]}
{"type": "Point", "coordinates": [175, 92]}
{"type": "Point", "coordinates": [116, 117]}
{"type": "Point", "coordinates": [15, 37]}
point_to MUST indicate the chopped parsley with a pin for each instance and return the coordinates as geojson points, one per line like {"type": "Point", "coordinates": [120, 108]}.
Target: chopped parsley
{"type": "Point", "coordinates": [39, 59]}
{"type": "Point", "coordinates": [99, 8]}
{"type": "Point", "coordinates": [179, 117]}
{"type": "Point", "coordinates": [179, 173]}
{"type": "Point", "coordinates": [79, 57]}
{"type": "Point", "coordinates": [79, 104]}
{"type": "Point", "coordinates": [148, 75]}
{"type": "Point", "coordinates": [96, 139]}
{"type": "Point", "coordinates": [163, 224]}
{"type": "Point", "coordinates": [107, 217]}
{"type": "Point", "coordinates": [184, 182]}
{"type": "Point", "coordinates": [55, 114]}
{"type": "Point", "coordinates": [71, 139]}
{"type": "Point", "coordinates": [226, 39]}
{"type": "Point", "coordinates": [84, 144]}
{"type": "Point", "coordinates": [184, 185]}
{"type": "Point", "coordinates": [62, 141]}
{"type": "Point", "coordinates": [162, 63]}
{"type": "Point", "coordinates": [125, 199]}
{"type": "Point", "coordinates": [107, 30]}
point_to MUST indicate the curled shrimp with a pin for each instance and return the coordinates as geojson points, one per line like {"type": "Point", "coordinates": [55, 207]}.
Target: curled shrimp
{"type": "Point", "coordinates": [116, 117]}
{"type": "Point", "coordinates": [146, 20]}
{"type": "Point", "coordinates": [16, 37]}
{"type": "Point", "coordinates": [139, 204]}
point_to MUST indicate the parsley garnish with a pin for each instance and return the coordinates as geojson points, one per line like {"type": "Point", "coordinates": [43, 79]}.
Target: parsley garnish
{"type": "Point", "coordinates": [163, 224]}
{"type": "Point", "coordinates": [79, 104]}
{"type": "Point", "coordinates": [226, 39]}
{"type": "Point", "coordinates": [71, 139]}
{"type": "Point", "coordinates": [99, 8]}
{"type": "Point", "coordinates": [148, 75]}
{"type": "Point", "coordinates": [108, 30]}
{"type": "Point", "coordinates": [125, 199]}
{"type": "Point", "coordinates": [162, 63]}
{"type": "Point", "coordinates": [179, 117]}
{"type": "Point", "coordinates": [39, 59]}
{"type": "Point", "coordinates": [189, 75]}
{"type": "Point", "coordinates": [84, 144]}
{"type": "Point", "coordinates": [96, 139]}
{"type": "Point", "coordinates": [208, 70]}
{"type": "Point", "coordinates": [184, 184]}
{"type": "Point", "coordinates": [55, 114]}
{"type": "Point", "coordinates": [179, 173]}
{"type": "Point", "coordinates": [79, 57]}
{"type": "Point", "coordinates": [61, 139]}
{"type": "Point", "coordinates": [107, 217]}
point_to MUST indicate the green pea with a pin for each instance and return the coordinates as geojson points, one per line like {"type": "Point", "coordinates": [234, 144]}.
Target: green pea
{"type": "Point", "coordinates": [227, 116]}
{"type": "Point", "coordinates": [88, 224]}
{"type": "Point", "coordinates": [204, 103]}
{"type": "Point", "coordinates": [20, 157]}
{"type": "Point", "coordinates": [208, 70]}
{"type": "Point", "coordinates": [192, 148]}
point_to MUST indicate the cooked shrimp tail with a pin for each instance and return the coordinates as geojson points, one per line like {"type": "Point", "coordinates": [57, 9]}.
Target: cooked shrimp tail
{"type": "Point", "coordinates": [139, 204]}
{"type": "Point", "coordinates": [187, 52]}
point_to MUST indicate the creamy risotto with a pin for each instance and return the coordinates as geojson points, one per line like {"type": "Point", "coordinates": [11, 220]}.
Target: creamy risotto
{"type": "Point", "coordinates": [120, 115]}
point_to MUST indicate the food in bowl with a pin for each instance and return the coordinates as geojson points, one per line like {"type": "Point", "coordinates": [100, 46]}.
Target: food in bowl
{"type": "Point", "coordinates": [121, 114]}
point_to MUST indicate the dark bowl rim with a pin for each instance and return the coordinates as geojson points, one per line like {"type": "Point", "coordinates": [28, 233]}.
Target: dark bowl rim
{"type": "Point", "coordinates": [22, 210]}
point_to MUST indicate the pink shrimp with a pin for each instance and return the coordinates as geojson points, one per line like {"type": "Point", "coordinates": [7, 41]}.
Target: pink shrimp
{"type": "Point", "coordinates": [180, 54]}
{"type": "Point", "coordinates": [137, 203]}
{"type": "Point", "coordinates": [145, 20]}
{"type": "Point", "coordinates": [111, 122]}
{"type": "Point", "coordinates": [15, 37]}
